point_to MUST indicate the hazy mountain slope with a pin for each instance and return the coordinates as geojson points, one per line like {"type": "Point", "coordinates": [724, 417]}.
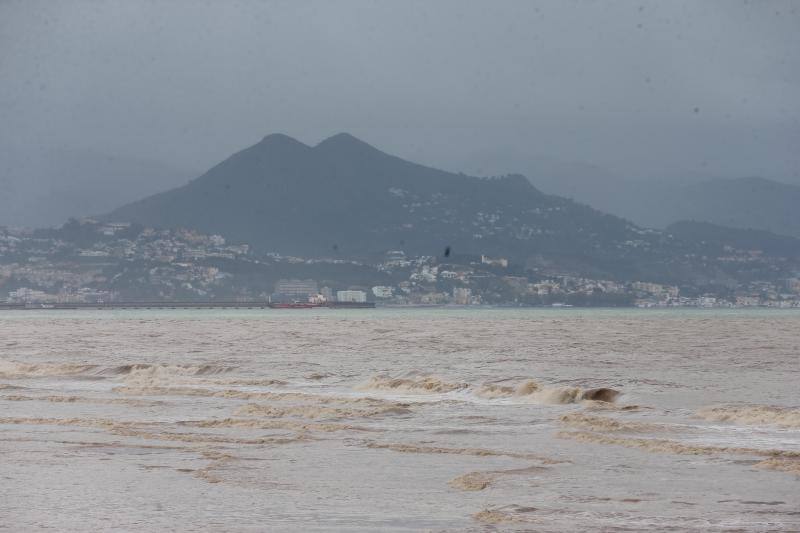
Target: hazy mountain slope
{"type": "Point", "coordinates": [756, 203]}
{"type": "Point", "coordinates": [46, 188]}
{"type": "Point", "coordinates": [639, 201]}
{"type": "Point", "coordinates": [583, 182]}
{"type": "Point", "coordinates": [743, 203]}
{"type": "Point", "coordinates": [346, 197]}
{"type": "Point", "coordinates": [716, 239]}
{"type": "Point", "coordinates": [283, 195]}
{"type": "Point", "coordinates": [746, 203]}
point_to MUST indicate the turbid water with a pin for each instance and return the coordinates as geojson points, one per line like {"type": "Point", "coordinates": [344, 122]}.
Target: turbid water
{"type": "Point", "coordinates": [443, 420]}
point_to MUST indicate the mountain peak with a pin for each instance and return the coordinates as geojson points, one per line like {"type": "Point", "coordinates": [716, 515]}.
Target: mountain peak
{"type": "Point", "coordinates": [279, 139]}
{"type": "Point", "coordinates": [343, 141]}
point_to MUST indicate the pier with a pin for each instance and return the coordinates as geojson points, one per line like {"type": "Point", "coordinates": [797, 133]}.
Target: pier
{"type": "Point", "coordinates": [135, 305]}
{"type": "Point", "coordinates": [160, 304]}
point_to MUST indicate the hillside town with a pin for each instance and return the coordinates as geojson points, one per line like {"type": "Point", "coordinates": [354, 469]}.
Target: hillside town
{"type": "Point", "coordinates": [91, 261]}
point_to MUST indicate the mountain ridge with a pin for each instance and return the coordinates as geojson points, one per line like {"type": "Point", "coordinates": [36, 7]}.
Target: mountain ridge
{"type": "Point", "coordinates": [340, 165]}
{"type": "Point", "coordinates": [745, 202]}
{"type": "Point", "coordinates": [346, 198]}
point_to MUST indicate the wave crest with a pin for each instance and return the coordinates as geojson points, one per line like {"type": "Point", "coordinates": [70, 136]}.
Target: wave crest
{"type": "Point", "coordinates": [166, 375]}
{"type": "Point", "coordinates": [752, 415]}
{"type": "Point", "coordinates": [133, 372]}
{"type": "Point", "coordinates": [532, 391]}
{"type": "Point", "coordinates": [602, 423]}
{"type": "Point", "coordinates": [412, 383]}
{"type": "Point", "coordinates": [15, 370]}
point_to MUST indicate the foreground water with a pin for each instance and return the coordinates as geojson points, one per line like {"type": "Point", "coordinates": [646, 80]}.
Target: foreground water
{"type": "Point", "coordinates": [400, 419]}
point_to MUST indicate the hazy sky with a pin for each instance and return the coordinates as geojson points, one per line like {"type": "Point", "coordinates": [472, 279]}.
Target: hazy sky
{"type": "Point", "coordinates": [639, 88]}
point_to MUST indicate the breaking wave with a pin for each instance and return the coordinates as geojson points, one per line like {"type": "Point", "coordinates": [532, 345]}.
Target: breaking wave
{"type": "Point", "coordinates": [532, 391]}
{"type": "Point", "coordinates": [166, 375]}
{"type": "Point", "coordinates": [411, 383]}
{"type": "Point", "coordinates": [601, 423]}
{"type": "Point", "coordinates": [491, 391]}
{"type": "Point", "coordinates": [752, 415]}
{"type": "Point", "coordinates": [527, 391]}
{"type": "Point", "coordinates": [14, 370]}
{"type": "Point", "coordinates": [17, 370]}
{"type": "Point", "coordinates": [601, 394]}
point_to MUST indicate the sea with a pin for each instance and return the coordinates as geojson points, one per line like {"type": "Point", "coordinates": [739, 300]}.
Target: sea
{"type": "Point", "coordinates": [470, 419]}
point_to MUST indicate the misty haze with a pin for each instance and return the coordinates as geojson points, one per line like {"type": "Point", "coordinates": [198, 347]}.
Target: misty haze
{"type": "Point", "coordinates": [418, 266]}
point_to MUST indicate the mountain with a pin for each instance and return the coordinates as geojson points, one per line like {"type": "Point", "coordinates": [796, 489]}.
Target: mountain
{"type": "Point", "coordinates": [715, 239]}
{"type": "Point", "coordinates": [584, 182]}
{"type": "Point", "coordinates": [652, 204]}
{"type": "Point", "coordinates": [755, 203]}
{"type": "Point", "coordinates": [44, 188]}
{"type": "Point", "coordinates": [346, 198]}
{"type": "Point", "coordinates": [748, 203]}
{"type": "Point", "coordinates": [343, 194]}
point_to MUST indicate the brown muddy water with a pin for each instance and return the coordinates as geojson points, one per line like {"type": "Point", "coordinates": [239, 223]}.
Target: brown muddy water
{"type": "Point", "coordinates": [387, 419]}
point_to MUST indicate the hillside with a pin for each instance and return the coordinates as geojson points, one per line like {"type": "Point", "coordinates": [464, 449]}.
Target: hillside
{"type": "Point", "coordinates": [743, 203]}
{"type": "Point", "coordinates": [345, 198]}
{"type": "Point", "coordinates": [715, 239]}
{"type": "Point", "coordinates": [344, 195]}
{"type": "Point", "coordinates": [748, 203]}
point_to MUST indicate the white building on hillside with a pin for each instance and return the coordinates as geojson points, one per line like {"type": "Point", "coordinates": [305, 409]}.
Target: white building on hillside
{"type": "Point", "coordinates": [351, 296]}
{"type": "Point", "coordinates": [381, 291]}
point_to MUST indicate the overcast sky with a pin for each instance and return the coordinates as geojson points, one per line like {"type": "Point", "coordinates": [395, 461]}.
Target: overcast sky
{"type": "Point", "coordinates": [639, 88]}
